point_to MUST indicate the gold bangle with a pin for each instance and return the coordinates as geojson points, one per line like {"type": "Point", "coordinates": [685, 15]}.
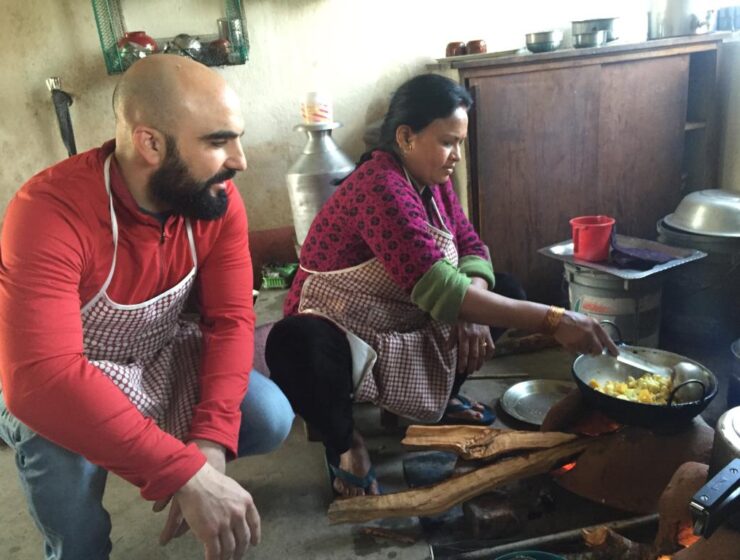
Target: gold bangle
{"type": "Point", "coordinates": [552, 319]}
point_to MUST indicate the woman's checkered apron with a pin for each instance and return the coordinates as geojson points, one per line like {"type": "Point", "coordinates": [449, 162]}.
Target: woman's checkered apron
{"type": "Point", "coordinates": [415, 366]}
{"type": "Point", "coordinates": [146, 349]}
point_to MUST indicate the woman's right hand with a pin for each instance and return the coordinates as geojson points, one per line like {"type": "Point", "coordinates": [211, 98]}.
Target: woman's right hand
{"type": "Point", "coordinates": [583, 334]}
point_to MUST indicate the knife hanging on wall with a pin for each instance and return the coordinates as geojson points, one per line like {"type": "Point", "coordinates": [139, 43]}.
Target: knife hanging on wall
{"type": "Point", "coordinates": [62, 100]}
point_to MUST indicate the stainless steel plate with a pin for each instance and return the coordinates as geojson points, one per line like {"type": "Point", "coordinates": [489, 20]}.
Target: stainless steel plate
{"type": "Point", "coordinates": [563, 251]}
{"type": "Point", "coordinates": [530, 401]}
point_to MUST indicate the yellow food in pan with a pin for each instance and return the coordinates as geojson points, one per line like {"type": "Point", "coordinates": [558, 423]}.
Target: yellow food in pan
{"type": "Point", "coordinates": [648, 389]}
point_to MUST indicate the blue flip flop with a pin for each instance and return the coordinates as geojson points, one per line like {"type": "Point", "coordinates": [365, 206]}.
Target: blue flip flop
{"type": "Point", "coordinates": [487, 414]}
{"type": "Point", "coordinates": [352, 479]}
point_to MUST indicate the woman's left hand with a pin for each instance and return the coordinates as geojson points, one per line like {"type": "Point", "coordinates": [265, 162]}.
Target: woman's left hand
{"type": "Point", "coordinates": [474, 345]}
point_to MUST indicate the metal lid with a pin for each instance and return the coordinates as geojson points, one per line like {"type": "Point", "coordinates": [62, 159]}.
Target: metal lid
{"type": "Point", "coordinates": [708, 212]}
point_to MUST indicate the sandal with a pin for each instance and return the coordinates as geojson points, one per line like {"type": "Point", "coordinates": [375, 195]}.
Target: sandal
{"type": "Point", "coordinates": [365, 482]}
{"type": "Point", "coordinates": [487, 414]}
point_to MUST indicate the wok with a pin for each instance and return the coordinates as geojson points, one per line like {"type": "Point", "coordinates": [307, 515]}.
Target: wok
{"type": "Point", "coordinates": [605, 368]}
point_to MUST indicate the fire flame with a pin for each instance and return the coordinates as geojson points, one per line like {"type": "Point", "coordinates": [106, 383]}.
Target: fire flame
{"type": "Point", "coordinates": [564, 469]}
{"type": "Point", "coordinates": [686, 536]}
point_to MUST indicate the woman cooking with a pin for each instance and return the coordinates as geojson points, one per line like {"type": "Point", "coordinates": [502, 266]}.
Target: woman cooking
{"type": "Point", "coordinates": [392, 303]}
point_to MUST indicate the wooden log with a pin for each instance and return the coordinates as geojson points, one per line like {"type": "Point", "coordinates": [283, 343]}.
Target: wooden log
{"type": "Point", "coordinates": [480, 442]}
{"type": "Point", "coordinates": [441, 497]}
{"type": "Point", "coordinates": [607, 544]}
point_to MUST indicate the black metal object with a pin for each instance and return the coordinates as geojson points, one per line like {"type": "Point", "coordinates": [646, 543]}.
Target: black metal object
{"type": "Point", "coordinates": [717, 501]}
{"type": "Point", "coordinates": [62, 101]}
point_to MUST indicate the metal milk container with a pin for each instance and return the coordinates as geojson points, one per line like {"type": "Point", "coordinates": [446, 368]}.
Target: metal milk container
{"type": "Point", "coordinates": [310, 179]}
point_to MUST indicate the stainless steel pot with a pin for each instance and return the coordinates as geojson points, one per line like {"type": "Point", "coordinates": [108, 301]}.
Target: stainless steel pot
{"type": "Point", "coordinates": [593, 25]}
{"type": "Point", "coordinates": [674, 18]}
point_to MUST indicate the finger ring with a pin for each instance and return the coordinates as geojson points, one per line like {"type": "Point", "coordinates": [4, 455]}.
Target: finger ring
{"type": "Point", "coordinates": [485, 344]}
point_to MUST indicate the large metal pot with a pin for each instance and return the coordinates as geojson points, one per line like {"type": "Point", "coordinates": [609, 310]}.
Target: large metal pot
{"type": "Point", "coordinates": [605, 368]}
{"type": "Point", "coordinates": [674, 18]}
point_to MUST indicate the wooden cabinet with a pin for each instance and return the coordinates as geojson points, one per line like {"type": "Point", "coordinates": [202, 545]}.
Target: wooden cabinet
{"type": "Point", "coordinates": [619, 130]}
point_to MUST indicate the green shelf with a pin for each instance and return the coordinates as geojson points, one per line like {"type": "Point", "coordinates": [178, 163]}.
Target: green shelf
{"type": "Point", "coordinates": [111, 24]}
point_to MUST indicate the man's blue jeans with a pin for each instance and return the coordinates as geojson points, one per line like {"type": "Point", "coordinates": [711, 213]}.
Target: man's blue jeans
{"type": "Point", "coordinates": [65, 491]}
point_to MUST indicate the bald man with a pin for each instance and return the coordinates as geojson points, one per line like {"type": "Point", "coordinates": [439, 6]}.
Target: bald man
{"type": "Point", "coordinates": [101, 370]}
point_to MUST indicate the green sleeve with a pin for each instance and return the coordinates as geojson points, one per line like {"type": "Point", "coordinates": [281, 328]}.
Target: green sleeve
{"type": "Point", "coordinates": [440, 291]}
{"type": "Point", "coordinates": [473, 265]}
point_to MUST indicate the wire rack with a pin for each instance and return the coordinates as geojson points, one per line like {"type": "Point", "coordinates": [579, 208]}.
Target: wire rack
{"type": "Point", "coordinates": [111, 25]}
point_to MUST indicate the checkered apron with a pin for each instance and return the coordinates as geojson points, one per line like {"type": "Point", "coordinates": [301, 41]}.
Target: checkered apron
{"type": "Point", "coordinates": [415, 367]}
{"type": "Point", "coordinates": [146, 349]}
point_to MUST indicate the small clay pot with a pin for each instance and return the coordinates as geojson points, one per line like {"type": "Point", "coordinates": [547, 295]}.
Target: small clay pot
{"type": "Point", "coordinates": [476, 47]}
{"type": "Point", "coordinates": [455, 48]}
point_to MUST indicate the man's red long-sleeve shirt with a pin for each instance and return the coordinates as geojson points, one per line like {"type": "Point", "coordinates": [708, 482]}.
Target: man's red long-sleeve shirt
{"type": "Point", "coordinates": [56, 251]}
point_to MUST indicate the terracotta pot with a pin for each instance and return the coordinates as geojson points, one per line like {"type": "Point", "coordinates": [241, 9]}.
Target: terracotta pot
{"type": "Point", "coordinates": [476, 47]}
{"type": "Point", "coordinates": [455, 48]}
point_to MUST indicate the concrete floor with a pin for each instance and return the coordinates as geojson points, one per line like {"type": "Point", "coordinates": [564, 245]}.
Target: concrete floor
{"type": "Point", "coordinates": [290, 487]}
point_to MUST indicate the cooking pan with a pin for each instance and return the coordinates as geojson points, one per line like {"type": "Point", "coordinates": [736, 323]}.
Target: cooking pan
{"type": "Point", "coordinates": [605, 368]}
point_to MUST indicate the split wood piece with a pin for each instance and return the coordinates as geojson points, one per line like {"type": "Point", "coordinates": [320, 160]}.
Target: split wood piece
{"type": "Point", "coordinates": [480, 442]}
{"type": "Point", "coordinates": [441, 497]}
{"type": "Point", "coordinates": [607, 544]}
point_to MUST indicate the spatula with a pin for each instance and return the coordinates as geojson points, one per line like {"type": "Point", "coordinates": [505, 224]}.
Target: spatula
{"type": "Point", "coordinates": [637, 362]}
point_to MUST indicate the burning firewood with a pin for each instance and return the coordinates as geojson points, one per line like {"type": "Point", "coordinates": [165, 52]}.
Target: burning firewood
{"type": "Point", "coordinates": [441, 497]}
{"type": "Point", "coordinates": [607, 545]}
{"type": "Point", "coordinates": [480, 442]}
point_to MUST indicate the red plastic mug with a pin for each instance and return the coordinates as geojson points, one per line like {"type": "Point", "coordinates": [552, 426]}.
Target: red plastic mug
{"type": "Point", "coordinates": [591, 237]}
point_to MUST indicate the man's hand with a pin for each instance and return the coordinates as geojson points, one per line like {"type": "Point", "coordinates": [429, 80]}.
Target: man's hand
{"type": "Point", "coordinates": [221, 514]}
{"type": "Point", "coordinates": [176, 524]}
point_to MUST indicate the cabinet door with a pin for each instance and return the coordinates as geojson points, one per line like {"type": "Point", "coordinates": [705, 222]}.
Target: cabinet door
{"type": "Point", "coordinates": [642, 116]}
{"type": "Point", "coordinates": [589, 139]}
{"type": "Point", "coordinates": [536, 144]}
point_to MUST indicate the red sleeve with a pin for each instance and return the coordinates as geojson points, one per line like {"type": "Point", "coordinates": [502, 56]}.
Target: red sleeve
{"type": "Point", "coordinates": [227, 322]}
{"type": "Point", "coordinates": [47, 383]}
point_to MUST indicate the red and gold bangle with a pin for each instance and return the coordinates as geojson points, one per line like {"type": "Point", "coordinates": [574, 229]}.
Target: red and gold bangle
{"type": "Point", "coordinates": [552, 319]}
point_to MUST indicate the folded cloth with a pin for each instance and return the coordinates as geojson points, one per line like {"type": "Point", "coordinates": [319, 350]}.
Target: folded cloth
{"type": "Point", "coordinates": [635, 257]}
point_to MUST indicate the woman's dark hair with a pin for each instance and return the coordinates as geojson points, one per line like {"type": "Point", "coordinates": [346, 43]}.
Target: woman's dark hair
{"type": "Point", "coordinates": [418, 102]}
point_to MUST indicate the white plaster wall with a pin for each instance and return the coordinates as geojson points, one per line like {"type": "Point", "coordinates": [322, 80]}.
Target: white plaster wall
{"type": "Point", "coordinates": [358, 50]}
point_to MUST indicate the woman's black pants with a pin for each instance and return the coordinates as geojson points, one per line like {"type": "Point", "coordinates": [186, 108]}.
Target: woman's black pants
{"type": "Point", "coordinates": [310, 360]}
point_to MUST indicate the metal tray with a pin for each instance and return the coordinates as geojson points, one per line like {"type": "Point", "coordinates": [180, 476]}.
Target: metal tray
{"type": "Point", "coordinates": [563, 251]}
{"type": "Point", "coordinates": [530, 401]}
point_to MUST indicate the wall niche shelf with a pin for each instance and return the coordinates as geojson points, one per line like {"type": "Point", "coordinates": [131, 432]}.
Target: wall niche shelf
{"type": "Point", "coordinates": [227, 48]}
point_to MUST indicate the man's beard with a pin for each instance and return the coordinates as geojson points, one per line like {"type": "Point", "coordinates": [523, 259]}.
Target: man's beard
{"type": "Point", "coordinates": [174, 186]}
